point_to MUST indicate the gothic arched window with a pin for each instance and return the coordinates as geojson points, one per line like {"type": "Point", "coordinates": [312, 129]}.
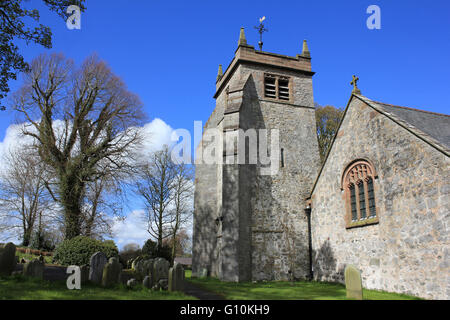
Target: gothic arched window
{"type": "Point", "coordinates": [358, 185]}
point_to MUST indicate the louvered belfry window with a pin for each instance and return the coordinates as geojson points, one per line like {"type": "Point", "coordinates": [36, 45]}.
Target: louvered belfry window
{"type": "Point", "coordinates": [270, 89]}
{"type": "Point", "coordinates": [283, 89]}
{"type": "Point", "coordinates": [358, 184]}
{"type": "Point", "coordinates": [276, 87]}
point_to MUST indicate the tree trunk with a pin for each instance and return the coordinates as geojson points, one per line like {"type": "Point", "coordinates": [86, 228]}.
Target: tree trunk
{"type": "Point", "coordinates": [26, 237]}
{"type": "Point", "coordinates": [71, 202]}
{"type": "Point", "coordinates": [174, 247]}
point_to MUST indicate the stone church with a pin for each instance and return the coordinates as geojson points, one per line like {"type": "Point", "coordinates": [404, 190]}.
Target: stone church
{"type": "Point", "coordinates": [380, 201]}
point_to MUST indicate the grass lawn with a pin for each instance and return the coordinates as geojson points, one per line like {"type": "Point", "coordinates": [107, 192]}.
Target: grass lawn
{"type": "Point", "coordinates": [21, 288]}
{"type": "Point", "coordinates": [281, 290]}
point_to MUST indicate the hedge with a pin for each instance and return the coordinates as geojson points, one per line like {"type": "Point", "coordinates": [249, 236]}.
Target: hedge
{"type": "Point", "coordinates": [78, 250]}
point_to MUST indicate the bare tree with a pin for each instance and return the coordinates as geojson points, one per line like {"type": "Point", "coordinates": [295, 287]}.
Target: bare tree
{"type": "Point", "coordinates": [155, 187]}
{"type": "Point", "coordinates": [23, 196]}
{"type": "Point", "coordinates": [83, 120]}
{"type": "Point", "coordinates": [103, 200]}
{"type": "Point", "coordinates": [182, 199]}
{"type": "Point", "coordinates": [182, 243]}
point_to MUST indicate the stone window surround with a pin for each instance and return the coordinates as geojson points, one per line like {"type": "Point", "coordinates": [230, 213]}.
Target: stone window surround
{"type": "Point", "coordinates": [358, 173]}
{"type": "Point", "coordinates": [277, 77]}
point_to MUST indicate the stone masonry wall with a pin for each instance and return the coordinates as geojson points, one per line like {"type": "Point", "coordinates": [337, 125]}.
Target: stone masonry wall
{"type": "Point", "coordinates": [207, 203]}
{"type": "Point", "coordinates": [262, 234]}
{"type": "Point", "coordinates": [408, 250]}
{"type": "Point", "coordinates": [278, 224]}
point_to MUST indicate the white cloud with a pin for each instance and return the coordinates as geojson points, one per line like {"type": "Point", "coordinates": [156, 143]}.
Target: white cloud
{"type": "Point", "coordinates": [14, 139]}
{"type": "Point", "coordinates": [156, 133]}
{"type": "Point", "coordinates": [130, 229]}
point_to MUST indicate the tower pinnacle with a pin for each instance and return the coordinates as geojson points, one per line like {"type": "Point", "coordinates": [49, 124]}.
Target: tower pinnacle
{"type": "Point", "coordinates": [219, 73]}
{"type": "Point", "coordinates": [242, 40]}
{"type": "Point", "coordinates": [305, 51]}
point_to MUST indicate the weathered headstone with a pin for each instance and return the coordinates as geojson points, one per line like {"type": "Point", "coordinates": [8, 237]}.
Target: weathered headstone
{"type": "Point", "coordinates": [176, 278]}
{"type": "Point", "coordinates": [7, 259]}
{"type": "Point", "coordinates": [163, 284]}
{"type": "Point", "coordinates": [112, 273]}
{"type": "Point", "coordinates": [34, 268]}
{"type": "Point", "coordinates": [148, 267]}
{"type": "Point", "coordinates": [96, 265]}
{"type": "Point", "coordinates": [84, 270]}
{"type": "Point", "coordinates": [160, 269]}
{"type": "Point", "coordinates": [144, 268]}
{"type": "Point", "coordinates": [132, 283]}
{"type": "Point", "coordinates": [135, 261]}
{"type": "Point", "coordinates": [130, 263]}
{"type": "Point", "coordinates": [147, 282]}
{"type": "Point", "coordinates": [353, 283]}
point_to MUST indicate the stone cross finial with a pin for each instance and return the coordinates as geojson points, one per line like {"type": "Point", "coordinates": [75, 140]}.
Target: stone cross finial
{"type": "Point", "coordinates": [355, 85]}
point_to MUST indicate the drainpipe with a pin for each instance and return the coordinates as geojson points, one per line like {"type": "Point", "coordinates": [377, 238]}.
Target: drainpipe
{"type": "Point", "coordinates": [308, 216]}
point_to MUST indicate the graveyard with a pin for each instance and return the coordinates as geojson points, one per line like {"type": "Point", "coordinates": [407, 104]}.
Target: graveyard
{"type": "Point", "coordinates": [154, 279]}
{"type": "Point", "coordinates": [164, 151]}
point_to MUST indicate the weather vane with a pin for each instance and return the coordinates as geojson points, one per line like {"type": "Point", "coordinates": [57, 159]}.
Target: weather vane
{"type": "Point", "coordinates": [261, 30]}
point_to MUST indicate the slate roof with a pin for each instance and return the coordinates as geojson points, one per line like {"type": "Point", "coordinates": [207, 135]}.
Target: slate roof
{"type": "Point", "coordinates": [430, 126]}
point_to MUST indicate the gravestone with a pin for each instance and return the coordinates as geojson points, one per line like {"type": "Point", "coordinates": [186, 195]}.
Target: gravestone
{"type": "Point", "coordinates": [34, 268]}
{"type": "Point", "coordinates": [144, 268]}
{"type": "Point", "coordinates": [148, 267]}
{"type": "Point", "coordinates": [132, 283]}
{"type": "Point", "coordinates": [112, 273]}
{"type": "Point", "coordinates": [135, 261]}
{"type": "Point", "coordinates": [163, 284]}
{"type": "Point", "coordinates": [353, 283]}
{"type": "Point", "coordinates": [176, 278]}
{"type": "Point", "coordinates": [160, 269]}
{"type": "Point", "coordinates": [128, 274]}
{"type": "Point", "coordinates": [96, 265]}
{"type": "Point", "coordinates": [147, 282]}
{"type": "Point", "coordinates": [130, 263]}
{"type": "Point", "coordinates": [84, 270]}
{"type": "Point", "coordinates": [7, 259]}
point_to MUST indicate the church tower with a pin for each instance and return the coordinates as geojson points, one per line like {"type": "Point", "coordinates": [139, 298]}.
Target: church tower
{"type": "Point", "coordinates": [249, 219]}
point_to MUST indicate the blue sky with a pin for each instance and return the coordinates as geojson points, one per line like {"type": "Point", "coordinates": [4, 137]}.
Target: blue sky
{"type": "Point", "coordinates": [168, 52]}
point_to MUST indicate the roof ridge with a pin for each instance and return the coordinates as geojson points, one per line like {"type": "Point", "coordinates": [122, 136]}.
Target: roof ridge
{"type": "Point", "coordinates": [412, 109]}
